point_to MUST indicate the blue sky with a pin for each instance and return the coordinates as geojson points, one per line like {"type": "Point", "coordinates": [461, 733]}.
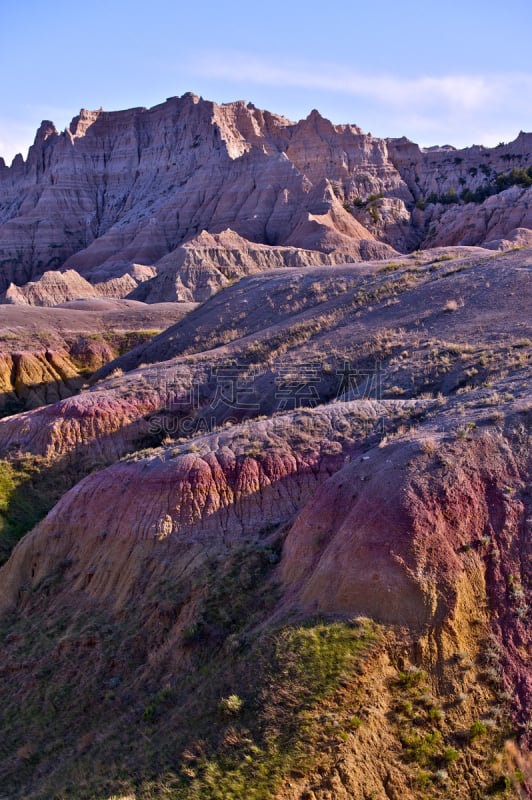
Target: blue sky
{"type": "Point", "coordinates": [440, 73]}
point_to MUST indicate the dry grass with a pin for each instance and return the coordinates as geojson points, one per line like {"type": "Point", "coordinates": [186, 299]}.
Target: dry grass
{"type": "Point", "coordinates": [429, 445]}
{"type": "Point", "coordinates": [451, 305]}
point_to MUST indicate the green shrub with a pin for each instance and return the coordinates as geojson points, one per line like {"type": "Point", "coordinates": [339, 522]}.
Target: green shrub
{"type": "Point", "coordinates": [406, 707]}
{"type": "Point", "coordinates": [391, 267]}
{"type": "Point", "coordinates": [423, 780]}
{"type": "Point", "coordinates": [424, 749]}
{"type": "Point", "coordinates": [412, 678]}
{"type": "Point", "coordinates": [477, 730]}
{"type": "Point", "coordinates": [232, 705]}
{"type": "Point", "coordinates": [450, 755]}
{"type": "Point", "coordinates": [148, 715]}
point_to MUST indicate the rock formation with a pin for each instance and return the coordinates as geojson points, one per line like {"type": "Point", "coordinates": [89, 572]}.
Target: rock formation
{"type": "Point", "coordinates": [47, 354]}
{"type": "Point", "coordinates": [54, 288]}
{"type": "Point", "coordinates": [208, 262]}
{"type": "Point", "coordinates": [278, 544]}
{"type": "Point", "coordinates": [130, 187]}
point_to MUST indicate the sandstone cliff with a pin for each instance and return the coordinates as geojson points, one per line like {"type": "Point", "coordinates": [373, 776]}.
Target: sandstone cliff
{"type": "Point", "coordinates": [122, 188]}
{"type": "Point", "coordinates": [47, 354]}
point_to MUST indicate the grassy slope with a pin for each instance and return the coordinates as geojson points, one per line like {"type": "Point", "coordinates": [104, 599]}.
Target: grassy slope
{"type": "Point", "coordinates": [232, 705]}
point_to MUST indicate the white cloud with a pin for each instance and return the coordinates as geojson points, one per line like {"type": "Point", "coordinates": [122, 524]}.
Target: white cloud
{"type": "Point", "coordinates": [465, 91]}
{"type": "Point", "coordinates": [452, 107]}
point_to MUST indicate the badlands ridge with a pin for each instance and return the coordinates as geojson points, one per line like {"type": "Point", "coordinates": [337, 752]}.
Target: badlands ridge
{"type": "Point", "coordinates": [265, 488]}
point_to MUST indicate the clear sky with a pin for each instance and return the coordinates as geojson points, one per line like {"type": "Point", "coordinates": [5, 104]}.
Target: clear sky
{"type": "Point", "coordinates": [455, 72]}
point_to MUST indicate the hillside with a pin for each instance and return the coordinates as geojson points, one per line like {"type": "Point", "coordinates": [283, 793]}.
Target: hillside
{"type": "Point", "coordinates": [50, 353]}
{"type": "Point", "coordinates": [265, 525]}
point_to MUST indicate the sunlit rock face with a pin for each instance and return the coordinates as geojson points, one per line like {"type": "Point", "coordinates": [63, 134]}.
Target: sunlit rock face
{"type": "Point", "coordinates": [129, 187]}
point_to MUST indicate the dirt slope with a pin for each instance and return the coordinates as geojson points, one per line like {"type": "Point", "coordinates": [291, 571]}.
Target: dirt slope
{"type": "Point", "coordinates": [315, 588]}
{"type": "Point", "coordinates": [48, 355]}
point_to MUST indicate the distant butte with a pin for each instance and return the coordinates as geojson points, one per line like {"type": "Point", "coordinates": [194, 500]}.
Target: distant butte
{"type": "Point", "coordinates": [130, 187]}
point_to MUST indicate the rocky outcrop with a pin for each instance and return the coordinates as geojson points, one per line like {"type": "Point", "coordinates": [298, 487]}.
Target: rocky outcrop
{"type": "Point", "coordinates": [32, 379]}
{"type": "Point", "coordinates": [130, 187]}
{"type": "Point", "coordinates": [221, 489]}
{"type": "Point", "coordinates": [287, 317]}
{"type": "Point", "coordinates": [55, 288]}
{"type": "Point", "coordinates": [445, 169]}
{"type": "Point", "coordinates": [423, 530]}
{"type": "Point", "coordinates": [50, 290]}
{"type": "Point", "coordinates": [141, 182]}
{"type": "Point", "coordinates": [208, 262]}
{"type": "Point", "coordinates": [422, 533]}
{"type": "Point", "coordinates": [495, 219]}
{"type": "Point", "coordinates": [516, 239]}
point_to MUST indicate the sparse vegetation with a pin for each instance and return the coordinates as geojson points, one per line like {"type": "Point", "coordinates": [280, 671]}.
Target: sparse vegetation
{"type": "Point", "coordinates": [200, 675]}
{"type": "Point", "coordinates": [232, 705]}
{"type": "Point", "coordinates": [451, 305]}
{"type": "Point", "coordinates": [28, 489]}
{"type": "Point", "coordinates": [240, 745]}
{"type": "Point", "coordinates": [477, 730]}
{"type": "Point", "coordinates": [494, 184]}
